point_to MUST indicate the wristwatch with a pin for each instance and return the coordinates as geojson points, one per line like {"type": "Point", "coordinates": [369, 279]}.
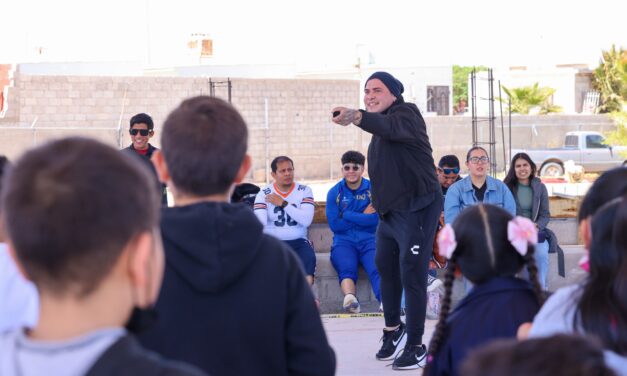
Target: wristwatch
{"type": "Point", "coordinates": [284, 204]}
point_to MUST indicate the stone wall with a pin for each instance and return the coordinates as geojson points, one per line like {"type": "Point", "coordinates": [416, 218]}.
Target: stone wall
{"type": "Point", "coordinates": [296, 123]}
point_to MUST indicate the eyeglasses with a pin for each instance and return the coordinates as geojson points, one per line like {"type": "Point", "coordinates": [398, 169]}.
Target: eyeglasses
{"type": "Point", "coordinates": [143, 132]}
{"type": "Point", "coordinates": [450, 170]}
{"type": "Point", "coordinates": [354, 167]}
{"type": "Point", "coordinates": [477, 160]}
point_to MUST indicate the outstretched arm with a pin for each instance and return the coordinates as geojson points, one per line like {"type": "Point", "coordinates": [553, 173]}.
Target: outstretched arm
{"type": "Point", "coordinates": [401, 125]}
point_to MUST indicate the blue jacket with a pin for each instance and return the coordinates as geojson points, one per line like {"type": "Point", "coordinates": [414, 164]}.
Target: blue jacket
{"type": "Point", "coordinates": [461, 195]}
{"type": "Point", "coordinates": [345, 212]}
{"type": "Point", "coordinates": [491, 310]}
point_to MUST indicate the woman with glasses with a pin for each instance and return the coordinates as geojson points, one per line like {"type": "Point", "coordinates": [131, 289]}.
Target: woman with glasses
{"type": "Point", "coordinates": [477, 187]}
{"type": "Point", "coordinates": [532, 201]}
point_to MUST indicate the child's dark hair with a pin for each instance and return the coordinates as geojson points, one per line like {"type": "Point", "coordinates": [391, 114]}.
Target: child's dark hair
{"type": "Point", "coordinates": [70, 208]}
{"type": "Point", "coordinates": [609, 185]}
{"type": "Point", "coordinates": [204, 142]}
{"type": "Point", "coordinates": [353, 156]}
{"type": "Point", "coordinates": [602, 308]}
{"type": "Point", "coordinates": [483, 252]}
{"type": "Point", "coordinates": [562, 354]}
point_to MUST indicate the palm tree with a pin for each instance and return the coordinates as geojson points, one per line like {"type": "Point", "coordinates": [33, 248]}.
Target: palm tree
{"type": "Point", "coordinates": [610, 79]}
{"type": "Point", "coordinates": [524, 99]}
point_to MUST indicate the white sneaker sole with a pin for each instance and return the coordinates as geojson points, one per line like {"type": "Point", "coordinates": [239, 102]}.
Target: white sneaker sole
{"type": "Point", "coordinates": [421, 363]}
{"type": "Point", "coordinates": [399, 347]}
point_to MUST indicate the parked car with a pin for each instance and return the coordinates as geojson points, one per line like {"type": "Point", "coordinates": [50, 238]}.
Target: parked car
{"type": "Point", "coordinates": [587, 149]}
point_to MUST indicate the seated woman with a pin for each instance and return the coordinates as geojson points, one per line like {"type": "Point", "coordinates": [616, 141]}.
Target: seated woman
{"type": "Point", "coordinates": [532, 201]}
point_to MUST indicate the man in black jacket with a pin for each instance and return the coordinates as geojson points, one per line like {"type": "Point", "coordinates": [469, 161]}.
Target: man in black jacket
{"type": "Point", "coordinates": [407, 196]}
{"type": "Point", "coordinates": [141, 131]}
{"type": "Point", "coordinates": [82, 222]}
{"type": "Point", "coordinates": [234, 300]}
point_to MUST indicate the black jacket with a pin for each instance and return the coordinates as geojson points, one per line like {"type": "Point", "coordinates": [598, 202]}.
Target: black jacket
{"type": "Point", "coordinates": [400, 160]}
{"type": "Point", "coordinates": [148, 163]}
{"type": "Point", "coordinates": [235, 301]}
{"type": "Point", "coordinates": [127, 358]}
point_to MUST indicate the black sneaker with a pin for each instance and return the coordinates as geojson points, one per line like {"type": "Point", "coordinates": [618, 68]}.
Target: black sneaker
{"type": "Point", "coordinates": [411, 357]}
{"type": "Point", "coordinates": [391, 340]}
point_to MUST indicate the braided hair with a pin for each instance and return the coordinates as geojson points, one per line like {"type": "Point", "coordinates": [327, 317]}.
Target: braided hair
{"type": "Point", "coordinates": [483, 252]}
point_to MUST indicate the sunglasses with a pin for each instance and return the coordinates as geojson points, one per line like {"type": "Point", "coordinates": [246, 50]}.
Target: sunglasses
{"type": "Point", "coordinates": [143, 132]}
{"type": "Point", "coordinates": [450, 170]}
{"type": "Point", "coordinates": [348, 167]}
{"type": "Point", "coordinates": [475, 160]}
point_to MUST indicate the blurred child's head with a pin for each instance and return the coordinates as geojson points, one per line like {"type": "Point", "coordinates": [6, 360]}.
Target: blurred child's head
{"type": "Point", "coordinates": [560, 355]}
{"type": "Point", "coordinates": [602, 306]}
{"type": "Point", "coordinates": [80, 214]}
{"type": "Point", "coordinates": [610, 185]}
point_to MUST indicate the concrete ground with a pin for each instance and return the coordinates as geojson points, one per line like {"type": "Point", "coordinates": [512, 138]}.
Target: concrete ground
{"type": "Point", "coordinates": [356, 341]}
{"type": "Point", "coordinates": [355, 338]}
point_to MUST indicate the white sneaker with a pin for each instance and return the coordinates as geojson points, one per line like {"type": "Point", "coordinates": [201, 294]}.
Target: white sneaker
{"type": "Point", "coordinates": [351, 304]}
{"type": "Point", "coordinates": [434, 284]}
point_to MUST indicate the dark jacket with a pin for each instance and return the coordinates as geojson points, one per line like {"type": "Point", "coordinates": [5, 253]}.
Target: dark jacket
{"type": "Point", "coordinates": [127, 358]}
{"type": "Point", "coordinates": [234, 301]}
{"type": "Point", "coordinates": [400, 160]}
{"type": "Point", "coordinates": [494, 309]}
{"type": "Point", "coordinates": [148, 163]}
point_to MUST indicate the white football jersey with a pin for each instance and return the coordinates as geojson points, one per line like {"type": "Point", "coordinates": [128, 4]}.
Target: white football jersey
{"type": "Point", "coordinates": [289, 223]}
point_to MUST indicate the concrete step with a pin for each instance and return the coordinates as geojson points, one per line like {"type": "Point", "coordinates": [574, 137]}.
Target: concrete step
{"type": "Point", "coordinates": [331, 297]}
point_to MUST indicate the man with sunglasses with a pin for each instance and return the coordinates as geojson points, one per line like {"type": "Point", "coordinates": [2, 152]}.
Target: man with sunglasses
{"type": "Point", "coordinates": [477, 187]}
{"type": "Point", "coordinates": [408, 200]}
{"type": "Point", "coordinates": [353, 220]}
{"type": "Point", "coordinates": [141, 130]}
{"type": "Point", "coordinates": [448, 172]}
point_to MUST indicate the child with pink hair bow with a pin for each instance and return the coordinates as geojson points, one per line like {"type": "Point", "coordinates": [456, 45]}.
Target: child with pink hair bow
{"type": "Point", "coordinates": [490, 247]}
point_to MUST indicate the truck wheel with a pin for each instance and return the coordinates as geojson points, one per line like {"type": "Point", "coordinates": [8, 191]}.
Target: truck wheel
{"type": "Point", "coordinates": [552, 169]}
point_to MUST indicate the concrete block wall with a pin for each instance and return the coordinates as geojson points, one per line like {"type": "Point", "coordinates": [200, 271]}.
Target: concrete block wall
{"type": "Point", "coordinates": [298, 117]}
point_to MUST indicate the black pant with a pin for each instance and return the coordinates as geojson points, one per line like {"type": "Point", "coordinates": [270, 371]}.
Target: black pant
{"type": "Point", "coordinates": [404, 247]}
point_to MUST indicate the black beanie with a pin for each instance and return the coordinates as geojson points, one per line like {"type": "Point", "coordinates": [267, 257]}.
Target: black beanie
{"type": "Point", "coordinates": [394, 86]}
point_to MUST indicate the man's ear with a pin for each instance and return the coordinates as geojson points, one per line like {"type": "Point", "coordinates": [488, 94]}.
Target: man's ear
{"type": "Point", "coordinates": [243, 169]}
{"type": "Point", "coordinates": [138, 253]}
{"type": "Point", "coordinates": [13, 255]}
{"type": "Point", "coordinates": [585, 234]}
{"type": "Point", "coordinates": [162, 168]}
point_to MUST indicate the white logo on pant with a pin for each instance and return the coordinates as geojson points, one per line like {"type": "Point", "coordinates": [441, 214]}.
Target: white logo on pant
{"type": "Point", "coordinates": [415, 249]}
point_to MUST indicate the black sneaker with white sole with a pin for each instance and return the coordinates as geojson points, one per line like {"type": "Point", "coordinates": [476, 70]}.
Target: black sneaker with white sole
{"type": "Point", "coordinates": [391, 340]}
{"type": "Point", "coordinates": [411, 357]}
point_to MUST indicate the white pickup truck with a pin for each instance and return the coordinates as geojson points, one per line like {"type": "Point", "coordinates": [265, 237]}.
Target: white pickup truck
{"type": "Point", "coordinates": [584, 148]}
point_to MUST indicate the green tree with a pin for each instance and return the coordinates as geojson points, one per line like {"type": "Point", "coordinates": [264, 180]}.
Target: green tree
{"type": "Point", "coordinates": [619, 136]}
{"type": "Point", "coordinates": [460, 82]}
{"type": "Point", "coordinates": [525, 98]}
{"type": "Point", "coordinates": [610, 79]}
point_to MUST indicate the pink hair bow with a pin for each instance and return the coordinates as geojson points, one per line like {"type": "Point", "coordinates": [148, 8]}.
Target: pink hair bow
{"type": "Point", "coordinates": [584, 262]}
{"type": "Point", "coordinates": [446, 241]}
{"type": "Point", "coordinates": [521, 232]}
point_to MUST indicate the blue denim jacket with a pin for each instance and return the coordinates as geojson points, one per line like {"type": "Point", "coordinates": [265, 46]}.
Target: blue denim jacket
{"type": "Point", "coordinates": [461, 195]}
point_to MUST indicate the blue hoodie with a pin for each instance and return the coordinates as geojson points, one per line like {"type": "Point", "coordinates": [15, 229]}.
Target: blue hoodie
{"type": "Point", "coordinates": [345, 212]}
